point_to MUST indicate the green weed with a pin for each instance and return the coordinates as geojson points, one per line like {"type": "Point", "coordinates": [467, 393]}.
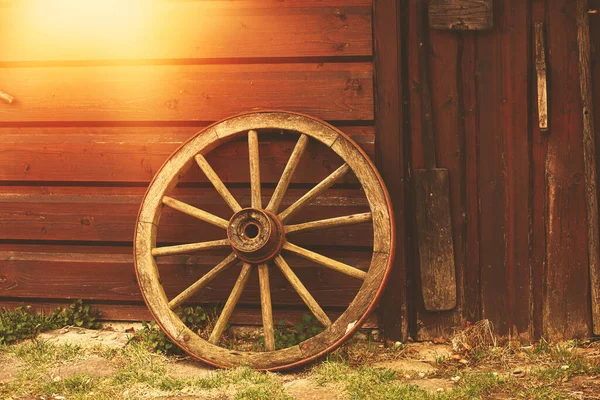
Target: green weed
{"type": "Point", "coordinates": [23, 323]}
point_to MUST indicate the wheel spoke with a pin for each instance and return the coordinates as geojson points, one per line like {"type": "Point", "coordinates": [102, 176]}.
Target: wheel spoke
{"type": "Point", "coordinates": [217, 183]}
{"type": "Point", "coordinates": [325, 261]}
{"type": "Point", "coordinates": [287, 174]}
{"type": "Point", "coordinates": [190, 248]}
{"type": "Point", "coordinates": [314, 192]}
{"type": "Point", "coordinates": [266, 307]}
{"type": "Point", "coordinates": [310, 301]}
{"type": "Point", "coordinates": [234, 297]}
{"type": "Point", "coordinates": [254, 169]}
{"type": "Point", "coordinates": [353, 219]}
{"type": "Point", "coordinates": [194, 212]}
{"type": "Point", "coordinates": [202, 282]}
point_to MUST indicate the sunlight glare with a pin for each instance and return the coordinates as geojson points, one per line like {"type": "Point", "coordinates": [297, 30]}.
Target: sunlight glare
{"type": "Point", "coordinates": [67, 26]}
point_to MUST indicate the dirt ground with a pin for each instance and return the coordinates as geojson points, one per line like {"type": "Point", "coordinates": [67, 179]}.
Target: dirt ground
{"type": "Point", "coordinates": [433, 369]}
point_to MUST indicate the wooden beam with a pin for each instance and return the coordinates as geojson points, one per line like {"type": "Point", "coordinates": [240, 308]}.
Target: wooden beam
{"type": "Point", "coordinates": [389, 120]}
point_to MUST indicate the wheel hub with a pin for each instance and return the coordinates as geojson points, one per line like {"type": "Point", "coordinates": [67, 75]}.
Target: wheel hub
{"type": "Point", "coordinates": [255, 235]}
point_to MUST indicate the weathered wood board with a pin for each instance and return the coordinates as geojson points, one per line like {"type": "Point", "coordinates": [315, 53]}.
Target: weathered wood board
{"type": "Point", "coordinates": [330, 91]}
{"type": "Point", "coordinates": [504, 172]}
{"type": "Point", "coordinates": [434, 235]}
{"type": "Point", "coordinates": [134, 154]}
{"type": "Point", "coordinates": [108, 214]}
{"type": "Point", "coordinates": [589, 157]}
{"type": "Point", "coordinates": [42, 31]}
{"type": "Point", "coordinates": [595, 109]}
{"type": "Point", "coordinates": [81, 275]}
{"type": "Point", "coordinates": [566, 306]}
{"type": "Point", "coordinates": [390, 154]}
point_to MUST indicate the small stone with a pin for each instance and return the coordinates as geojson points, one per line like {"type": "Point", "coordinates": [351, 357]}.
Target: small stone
{"type": "Point", "coordinates": [56, 379]}
{"type": "Point", "coordinates": [564, 367]}
{"type": "Point", "coordinates": [455, 379]}
{"type": "Point", "coordinates": [397, 345]}
{"type": "Point", "coordinates": [421, 375]}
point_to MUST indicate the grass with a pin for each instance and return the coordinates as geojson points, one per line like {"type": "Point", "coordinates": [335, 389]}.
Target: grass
{"type": "Point", "coordinates": [139, 373]}
{"type": "Point", "coordinates": [545, 372]}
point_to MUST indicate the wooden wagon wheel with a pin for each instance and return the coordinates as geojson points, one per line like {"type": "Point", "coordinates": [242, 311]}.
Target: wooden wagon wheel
{"type": "Point", "coordinates": [257, 236]}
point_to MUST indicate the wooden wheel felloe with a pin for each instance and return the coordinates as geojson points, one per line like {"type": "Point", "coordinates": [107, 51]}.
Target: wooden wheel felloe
{"type": "Point", "coordinates": [261, 237]}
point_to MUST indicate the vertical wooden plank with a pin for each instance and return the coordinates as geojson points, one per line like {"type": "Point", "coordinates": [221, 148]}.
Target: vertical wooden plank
{"type": "Point", "coordinates": [450, 148]}
{"type": "Point", "coordinates": [589, 156]}
{"type": "Point", "coordinates": [443, 72]}
{"type": "Point", "coordinates": [390, 154]}
{"type": "Point", "coordinates": [516, 120]}
{"type": "Point", "coordinates": [594, 6]}
{"type": "Point", "coordinates": [539, 145]}
{"type": "Point", "coordinates": [566, 312]}
{"type": "Point", "coordinates": [470, 125]}
{"type": "Point", "coordinates": [504, 170]}
{"type": "Point", "coordinates": [594, 16]}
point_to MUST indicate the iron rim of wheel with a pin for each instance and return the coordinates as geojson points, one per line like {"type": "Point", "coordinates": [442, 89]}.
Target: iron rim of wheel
{"type": "Point", "coordinates": [269, 231]}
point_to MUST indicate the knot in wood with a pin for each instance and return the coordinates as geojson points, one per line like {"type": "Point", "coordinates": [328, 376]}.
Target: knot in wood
{"type": "Point", "coordinates": [255, 235]}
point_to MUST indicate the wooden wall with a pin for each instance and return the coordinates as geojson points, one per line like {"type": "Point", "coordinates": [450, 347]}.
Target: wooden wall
{"type": "Point", "coordinates": [92, 123]}
{"type": "Point", "coordinates": [88, 132]}
{"type": "Point", "coordinates": [517, 193]}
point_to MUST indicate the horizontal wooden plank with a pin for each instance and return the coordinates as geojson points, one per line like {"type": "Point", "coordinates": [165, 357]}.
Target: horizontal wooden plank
{"type": "Point", "coordinates": [139, 312]}
{"type": "Point", "coordinates": [109, 213]}
{"type": "Point", "coordinates": [331, 91]}
{"type": "Point", "coordinates": [39, 30]}
{"type": "Point", "coordinates": [110, 276]}
{"type": "Point", "coordinates": [128, 154]}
